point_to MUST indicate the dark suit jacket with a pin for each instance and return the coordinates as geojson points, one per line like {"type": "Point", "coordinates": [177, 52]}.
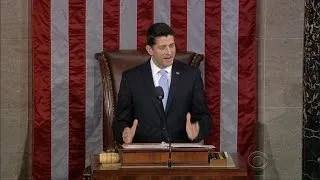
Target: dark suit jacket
{"type": "Point", "coordinates": [137, 100]}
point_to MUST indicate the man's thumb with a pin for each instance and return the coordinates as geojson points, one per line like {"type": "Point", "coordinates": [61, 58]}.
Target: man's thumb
{"type": "Point", "coordinates": [134, 125]}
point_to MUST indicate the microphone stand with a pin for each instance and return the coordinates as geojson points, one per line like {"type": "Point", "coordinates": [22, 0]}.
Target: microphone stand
{"type": "Point", "coordinates": [169, 160]}
{"type": "Point", "coordinates": [160, 96]}
{"type": "Point", "coordinates": [168, 137]}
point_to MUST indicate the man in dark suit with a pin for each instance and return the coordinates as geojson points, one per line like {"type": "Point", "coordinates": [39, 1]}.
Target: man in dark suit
{"type": "Point", "coordinates": [139, 112]}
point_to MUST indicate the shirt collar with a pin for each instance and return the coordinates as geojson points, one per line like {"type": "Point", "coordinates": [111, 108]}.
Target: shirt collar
{"type": "Point", "coordinates": [155, 69]}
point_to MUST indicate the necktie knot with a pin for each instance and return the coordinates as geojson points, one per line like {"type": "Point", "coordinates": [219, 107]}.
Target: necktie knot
{"type": "Point", "coordinates": [163, 72]}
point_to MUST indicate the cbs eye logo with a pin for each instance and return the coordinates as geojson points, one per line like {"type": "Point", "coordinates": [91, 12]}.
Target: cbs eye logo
{"type": "Point", "coordinates": [257, 161]}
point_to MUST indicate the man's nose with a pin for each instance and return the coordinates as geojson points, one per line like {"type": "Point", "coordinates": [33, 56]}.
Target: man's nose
{"type": "Point", "coordinates": [168, 51]}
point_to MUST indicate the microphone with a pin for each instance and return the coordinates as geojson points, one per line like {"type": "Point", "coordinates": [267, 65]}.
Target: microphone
{"type": "Point", "coordinates": [160, 96]}
{"type": "Point", "coordinates": [159, 93]}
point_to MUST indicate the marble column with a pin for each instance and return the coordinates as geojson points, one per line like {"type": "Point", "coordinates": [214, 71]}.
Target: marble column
{"type": "Point", "coordinates": [311, 91]}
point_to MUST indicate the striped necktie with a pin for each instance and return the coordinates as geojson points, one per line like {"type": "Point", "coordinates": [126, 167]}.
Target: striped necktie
{"type": "Point", "coordinates": [163, 82]}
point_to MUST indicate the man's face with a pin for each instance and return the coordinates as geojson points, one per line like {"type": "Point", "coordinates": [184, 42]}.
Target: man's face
{"type": "Point", "coordinates": [163, 52]}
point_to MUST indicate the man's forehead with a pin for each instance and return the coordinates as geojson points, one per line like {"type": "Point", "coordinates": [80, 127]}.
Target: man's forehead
{"type": "Point", "coordinates": [164, 40]}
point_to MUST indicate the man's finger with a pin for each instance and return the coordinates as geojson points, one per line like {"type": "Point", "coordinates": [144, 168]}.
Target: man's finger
{"type": "Point", "coordinates": [127, 140]}
{"type": "Point", "coordinates": [197, 126]}
{"type": "Point", "coordinates": [196, 129]}
{"type": "Point", "coordinates": [188, 118]}
{"type": "Point", "coordinates": [125, 131]}
{"type": "Point", "coordinates": [134, 126]}
{"type": "Point", "coordinates": [124, 137]}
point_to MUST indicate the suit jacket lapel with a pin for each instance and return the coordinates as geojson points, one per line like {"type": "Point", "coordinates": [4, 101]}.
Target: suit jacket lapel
{"type": "Point", "coordinates": [175, 76]}
{"type": "Point", "coordinates": [148, 80]}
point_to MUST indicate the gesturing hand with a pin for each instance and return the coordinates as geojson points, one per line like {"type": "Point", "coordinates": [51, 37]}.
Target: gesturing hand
{"type": "Point", "coordinates": [128, 133]}
{"type": "Point", "coordinates": [192, 128]}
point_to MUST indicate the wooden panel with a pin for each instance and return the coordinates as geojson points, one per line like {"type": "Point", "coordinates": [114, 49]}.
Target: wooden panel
{"type": "Point", "coordinates": [160, 156]}
{"type": "Point", "coordinates": [168, 178]}
{"type": "Point", "coordinates": [177, 172]}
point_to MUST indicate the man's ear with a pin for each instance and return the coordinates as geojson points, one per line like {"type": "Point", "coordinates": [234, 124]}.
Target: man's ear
{"type": "Point", "coordinates": [149, 50]}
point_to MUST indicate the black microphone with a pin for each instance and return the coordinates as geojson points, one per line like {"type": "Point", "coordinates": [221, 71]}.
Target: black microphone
{"type": "Point", "coordinates": [160, 96]}
{"type": "Point", "coordinates": [159, 93]}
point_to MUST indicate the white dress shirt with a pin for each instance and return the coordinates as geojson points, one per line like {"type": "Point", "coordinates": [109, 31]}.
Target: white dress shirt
{"type": "Point", "coordinates": [156, 73]}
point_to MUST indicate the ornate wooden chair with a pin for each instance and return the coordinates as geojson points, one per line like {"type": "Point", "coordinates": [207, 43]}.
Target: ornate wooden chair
{"type": "Point", "coordinates": [112, 64]}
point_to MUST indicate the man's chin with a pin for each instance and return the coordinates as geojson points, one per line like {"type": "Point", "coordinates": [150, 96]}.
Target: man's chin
{"type": "Point", "coordinates": [168, 61]}
{"type": "Point", "coordinates": [169, 64]}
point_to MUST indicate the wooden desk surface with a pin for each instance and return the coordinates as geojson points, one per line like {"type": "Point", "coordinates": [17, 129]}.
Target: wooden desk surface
{"type": "Point", "coordinates": [98, 172]}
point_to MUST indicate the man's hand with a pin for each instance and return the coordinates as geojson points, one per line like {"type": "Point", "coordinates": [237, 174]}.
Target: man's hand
{"type": "Point", "coordinates": [128, 133]}
{"type": "Point", "coordinates": [192, 128]}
